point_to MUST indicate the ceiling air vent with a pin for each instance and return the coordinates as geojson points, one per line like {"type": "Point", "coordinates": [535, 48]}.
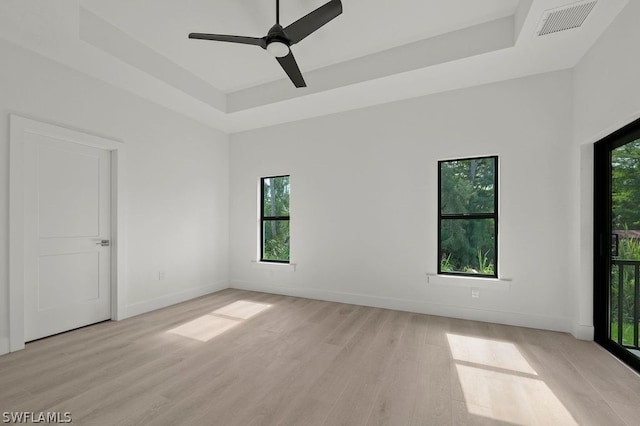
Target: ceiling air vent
{"type": "Point", "coordinates": [565, 18]}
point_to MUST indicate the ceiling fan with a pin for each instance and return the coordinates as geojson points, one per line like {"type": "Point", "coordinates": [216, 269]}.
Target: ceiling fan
{"type": "Point", "coordinates": [278, 40]}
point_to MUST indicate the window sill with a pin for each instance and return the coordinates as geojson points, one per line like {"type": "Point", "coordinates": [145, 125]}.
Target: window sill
{"type": "Point", "coordinates": [469, 282]}
{"type": "Point", "coordinates": [274, 266]}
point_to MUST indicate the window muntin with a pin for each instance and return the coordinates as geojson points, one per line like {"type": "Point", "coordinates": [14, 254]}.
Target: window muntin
{"type": "Point", "coordinates": [274, 219]}
{"type": "Point", "coordinates": [468, 217]}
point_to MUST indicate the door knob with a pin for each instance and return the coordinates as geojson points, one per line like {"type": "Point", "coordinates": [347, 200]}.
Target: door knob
{"type": "Point", "coordinates": [103, 243]}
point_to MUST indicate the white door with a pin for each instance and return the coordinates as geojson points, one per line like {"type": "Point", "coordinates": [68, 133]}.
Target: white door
{"type": "Point", "coordinates": [67, 206]}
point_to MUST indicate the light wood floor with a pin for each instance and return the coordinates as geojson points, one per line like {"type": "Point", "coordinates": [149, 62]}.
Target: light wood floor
{"type": "Point", "coordinates": [244, 358]}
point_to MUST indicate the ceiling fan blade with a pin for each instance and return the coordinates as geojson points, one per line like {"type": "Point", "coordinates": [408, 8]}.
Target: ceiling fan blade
{"type": "Point", "coordinates": [231, 38]}
{"type": "Point", "coordinates": [290, 66]}
{"type": "Point", "coordinates": [314, 20]}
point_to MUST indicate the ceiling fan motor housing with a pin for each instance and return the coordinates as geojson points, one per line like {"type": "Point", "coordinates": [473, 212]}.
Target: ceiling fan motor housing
{"type": "Point", "coordinates": [276, 33]}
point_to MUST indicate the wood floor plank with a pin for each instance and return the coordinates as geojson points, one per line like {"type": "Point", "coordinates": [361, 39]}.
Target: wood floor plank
{"type": "Point", "coordinates": [433, 387]}
{"type": "Point", "coordinates": [396, 399]}
{"type": "Point", "coordinates": [366, 376]}
{"type": "Point", "coordinates": [306, 411]}
{"type": "Point", "coordinates": [436, 410]}
{"type": "Point", "coordinates": [309, 362]}
{"type": "Point", "coordinates": [627, 413]}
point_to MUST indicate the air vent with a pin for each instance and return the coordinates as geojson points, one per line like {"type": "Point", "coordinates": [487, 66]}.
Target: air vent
{"type": "Point", "coordinates": [565, 18]}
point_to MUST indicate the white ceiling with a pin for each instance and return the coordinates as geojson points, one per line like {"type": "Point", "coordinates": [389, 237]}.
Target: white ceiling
{"type": "Point", "coordinates": [377, 51]}
{"type": "Point", "coordinates": [365, 27]}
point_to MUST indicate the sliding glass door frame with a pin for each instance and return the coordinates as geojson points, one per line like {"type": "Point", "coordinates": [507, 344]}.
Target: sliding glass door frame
{"type": "Point", "coordinates": [602, 220]}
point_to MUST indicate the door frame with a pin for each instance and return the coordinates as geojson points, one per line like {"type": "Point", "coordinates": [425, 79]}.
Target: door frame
{"type": "Point", "coordinates": [19, 126]}
{"type": "Point", "coordinates": [602, 237]}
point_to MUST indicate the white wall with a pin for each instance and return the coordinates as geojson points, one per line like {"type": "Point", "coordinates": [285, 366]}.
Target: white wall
{"type": "Point", "coordinates": [606, 97]}
{"type": "Point", "coordinates": [364, 201]}
{"type": "Point", "coordinates": [177, 174]}
{"type": "Point", "coordinates": [607, 82]}
{"type": "Point", "coordinates": [364, 188]}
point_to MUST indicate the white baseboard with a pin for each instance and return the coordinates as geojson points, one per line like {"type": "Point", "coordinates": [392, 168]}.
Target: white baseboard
{"type": "Point", "coordinates": [171, 299]}
{"type": "Point", "coordinates": [4, 345]}
{"type": "Point", "coordinates": [421, 307]}
{"type": "Point", "coordinates": [583, 332]}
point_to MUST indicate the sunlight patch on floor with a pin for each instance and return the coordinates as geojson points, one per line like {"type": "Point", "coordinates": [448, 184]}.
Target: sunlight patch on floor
{"type": "Point", "coordinates": [242, 309]}
{"type": "Point", "coordinates": [487, 352]}
{"type": "Point", "coordinates": [498, 383]}
{"type": "Point", "coordinates": [205, 327]}
{"type": "Point", "coordinates": [210, 325]}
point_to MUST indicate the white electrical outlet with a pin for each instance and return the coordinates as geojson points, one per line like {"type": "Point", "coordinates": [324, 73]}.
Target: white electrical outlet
{"type": "Point", "coordinates": [475, 293]}
{"type": "Point", "coordinates": [160, 275]}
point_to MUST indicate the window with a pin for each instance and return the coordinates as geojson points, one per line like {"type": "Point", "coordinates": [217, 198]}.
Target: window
{"type": "Point", "coordinates": [468, 217]}
{"type": "Point", "coordinates": [274, 219]}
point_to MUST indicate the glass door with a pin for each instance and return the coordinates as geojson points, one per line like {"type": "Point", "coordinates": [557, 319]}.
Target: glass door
{"type": "Point", "coordinates": [617, 244]}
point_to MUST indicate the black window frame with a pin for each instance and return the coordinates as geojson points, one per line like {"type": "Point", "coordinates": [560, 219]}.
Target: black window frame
{"type": "Point", "coordinates": [468, 216]}
{"type": "Point", "coordinates": [264, 218]}
{"type": "Point", "coordinates": [602, 226]}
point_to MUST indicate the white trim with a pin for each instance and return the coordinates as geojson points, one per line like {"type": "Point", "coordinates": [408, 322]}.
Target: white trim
{"type": "Point", "coordinates": [118, 234]}
{"type": "Point", "coordinates": [422, 307]}
{"type": "Point", "coordinates": [171, 299]}
{"type": "Point", "coordinates": [4, 345]}
{"type": "Point", "coordinates": [583, 332]}
{"type": "Point", "coordinates": [469, 282]}
{"type": "Point", "coordinates": [18, 126]}
{"type": "Point", "coordinates": [16, 235]}
{"type": "Point", "coordinates": [274, 266]}
{"type": "Point", "coordinates": [617, 125]}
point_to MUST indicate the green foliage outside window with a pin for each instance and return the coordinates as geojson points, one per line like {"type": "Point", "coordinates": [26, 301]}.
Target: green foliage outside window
{"type": "Point", "coordinates": [275, 219]}
{"type": "Point", "coordinates": [625, 191]}
{"type": "Point", "coordinates": [468, 217]}
{"type": "Point", "coordinates": [628, 249]}
{"type": "Point", "coordinates": [625, 198]}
